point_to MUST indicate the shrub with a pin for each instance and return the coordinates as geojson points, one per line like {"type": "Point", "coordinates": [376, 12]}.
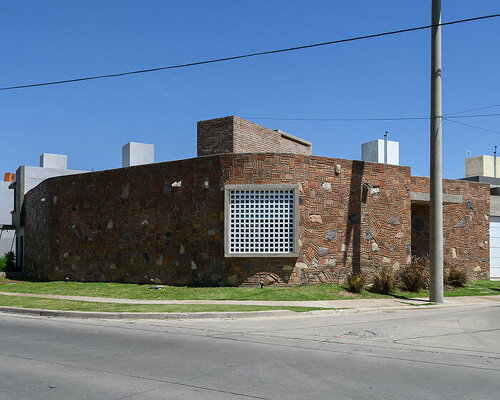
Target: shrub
{"type": "Point", "coordinates": [3, 263]}
{"type": "Point", "coordinates": [10, 261]}
{"type": "Point", "coordinates": [415, 276]}
{"type": "Point", "coordinates": [455, 277]}
{"type": "Point", "coordinates": [384, 281]}
{"type": "Point", "coordinates": [356, 282]}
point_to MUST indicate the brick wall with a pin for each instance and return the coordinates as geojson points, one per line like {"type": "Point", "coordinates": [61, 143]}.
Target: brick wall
{"type": "Point", "coordinates": [132, 225]}
{"type": "Point", "coordinates": [294, 145]}
{"type": "Point", "coordinates": [215, 136]}
{"type": "Point", "coordinates": [128, 224]}
{"type": "Point", "coordinates": [465, 225]}
{"type": "Point", "coordinates": [237, 135]}
{"type": "Point", "coordinates": [358, 217]}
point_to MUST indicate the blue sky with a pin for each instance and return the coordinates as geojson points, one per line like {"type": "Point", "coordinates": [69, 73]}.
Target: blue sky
{"type": "Point", "coordinates": [384, 77]}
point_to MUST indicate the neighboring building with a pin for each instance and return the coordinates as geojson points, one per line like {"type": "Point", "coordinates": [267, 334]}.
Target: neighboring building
{"type": "Point", "coordinates": [481, 169]}
{"type": "Point", "coordinates": [254, 206]}
{"type": "Point", "coordinates": [495, 233]}
{"type": "Point", "coordinates": [26, 179]}
{"type": "Point", "coordinates": [6, 206]}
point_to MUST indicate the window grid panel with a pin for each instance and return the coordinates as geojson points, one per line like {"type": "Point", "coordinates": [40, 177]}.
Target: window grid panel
{"type": "Point", "coordinates": [261, 221]}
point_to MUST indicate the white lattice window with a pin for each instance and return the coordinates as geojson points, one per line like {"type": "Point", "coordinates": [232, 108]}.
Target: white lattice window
{"type": "Point", "coordinates": [261, 220]}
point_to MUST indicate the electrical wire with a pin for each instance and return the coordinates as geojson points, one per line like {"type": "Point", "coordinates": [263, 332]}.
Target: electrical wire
{"type": "Point", "coordinates": [261, 53]}
{"type": "Point", "coordinates": [472, 109]}
{"type": "Point", "coordinates": [368, 119]}
{"type": "Point", "coordinates": [472, 126]}
{"type": "Point", "coordinates": [338, 119]}
{"type": "Point", "coordinates": [473, 116]}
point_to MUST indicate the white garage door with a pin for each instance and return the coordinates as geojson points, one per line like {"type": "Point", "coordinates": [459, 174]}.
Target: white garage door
{"type": "Point", "coordinates": [495, 247]}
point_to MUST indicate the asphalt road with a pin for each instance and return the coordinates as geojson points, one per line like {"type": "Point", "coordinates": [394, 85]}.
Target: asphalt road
{"type": "Point", "coordinates": [419, 354]}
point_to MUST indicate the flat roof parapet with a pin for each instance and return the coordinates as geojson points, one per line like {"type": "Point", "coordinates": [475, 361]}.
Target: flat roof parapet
{"type": "Point", "coordinates": [55, 161]}
{"type": "Point", "coordinates": [293, 138]}
{"type": "Point", "coordinates": [233, 134]}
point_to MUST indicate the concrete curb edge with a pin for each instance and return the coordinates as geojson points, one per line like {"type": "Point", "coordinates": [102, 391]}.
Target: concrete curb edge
{"type": "Point", "coordinates": [138, 315]}
{"type": "Point", "coordinates": [223, 315]}
{"type": "Point", "coordinates": [432, 306]}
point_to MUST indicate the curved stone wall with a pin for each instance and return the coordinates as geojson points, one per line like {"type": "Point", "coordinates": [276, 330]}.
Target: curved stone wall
{"type": "Point", "coordinates": [164, 222]}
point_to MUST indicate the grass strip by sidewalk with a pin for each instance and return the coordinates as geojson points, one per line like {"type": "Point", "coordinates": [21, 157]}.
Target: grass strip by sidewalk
{"type": "Point", "coordinates": [291, 293]}
{"type": "Point", "coordinates": [74, 305]}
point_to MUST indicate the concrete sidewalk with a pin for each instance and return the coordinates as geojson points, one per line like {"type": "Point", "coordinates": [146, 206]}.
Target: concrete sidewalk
{"type": "Point", "coordinates": [344, 304]}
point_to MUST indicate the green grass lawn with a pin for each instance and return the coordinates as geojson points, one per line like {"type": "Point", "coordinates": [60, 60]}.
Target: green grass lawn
{"type": "Point", "coordinates": [72, 305]}
{"type": "Point", "coordinates": [292, 293]}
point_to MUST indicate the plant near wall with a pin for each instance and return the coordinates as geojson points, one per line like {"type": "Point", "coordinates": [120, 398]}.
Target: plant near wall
{"type": "Point", "coordinates": [3, 263]}
{"type": "Point", "coordinates": [415, 276]}
{"type": "Point", "coordinates": [455, 277]}
{"type": "Point", "coordinates": [355, 282]}
{"type": "Point", "coordinates": [384, 281]}
{"type": "Point", "coordinates": [10, 261]}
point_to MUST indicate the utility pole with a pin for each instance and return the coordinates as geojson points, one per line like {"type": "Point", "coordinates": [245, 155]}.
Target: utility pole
{"type": "Point", "coordinates": [495, 162]}
{"type": "Point", "coordinates": [436, 173]}
{"type": "Point", "coordinates": [385, 147]}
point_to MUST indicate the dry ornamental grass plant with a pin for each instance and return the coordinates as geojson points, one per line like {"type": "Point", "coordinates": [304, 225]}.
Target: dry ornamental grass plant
{"type": "Point", "coordinates": [415, 276]}
{"type": "Point", "coordinates": [455, 277]}
{"type": "Point", "coordinates": [384, 281]}
{"type": "Point", "coordinates": [356, 282]}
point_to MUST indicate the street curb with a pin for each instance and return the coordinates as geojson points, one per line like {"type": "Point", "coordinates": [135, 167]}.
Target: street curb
{"type": "Point", "coordinates": [138, 315]}
{"type": "Point", "coordinates": [225, 315]}
{"type": "Point", "coordinates": [397, 308]}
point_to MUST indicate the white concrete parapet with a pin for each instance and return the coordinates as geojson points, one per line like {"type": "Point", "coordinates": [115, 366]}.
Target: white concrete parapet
{"type": "Point", "coordinates": [374, 151]}
{"type": "Point", "coordinates": [137, 154]}
{"type": "Point", "coordinates": [55, 161]}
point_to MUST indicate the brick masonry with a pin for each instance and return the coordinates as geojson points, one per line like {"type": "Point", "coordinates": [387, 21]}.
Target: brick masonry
{"type": "Point", "coordinates": [215, 136]}
{"type": "Point", "coordinates": [465, 225]}
{"type": "Point", "coordinates": [237, 135]}
{"type": "Point", "coordinates": [164, 222]}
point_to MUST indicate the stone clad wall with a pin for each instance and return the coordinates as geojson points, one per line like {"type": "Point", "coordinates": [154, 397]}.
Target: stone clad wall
{"type": "Point", "coordinates": [465, 225]}
{"type": "Point", "coordinates": [38, 243]}
{"type": "Point", "coordinates": [359, 216]}
{"type": "Point", "coordinates": [157, 222]}
{"type": "Point", "coordinates": [164, 222]}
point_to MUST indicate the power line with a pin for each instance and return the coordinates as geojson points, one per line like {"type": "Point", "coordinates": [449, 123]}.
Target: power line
{"type": "Point", "coordinates": [339, 119]}
{"type": "Point", "coordinates": [368, 119]}
{"type": "Point", "coordinates": [473, 116]}
{"type": "Point", "coordinates": [472, 126]}
{"type": "Point", "coordinates": [472, 109]}
{"type": "Point", "coordinates": [261, 53]}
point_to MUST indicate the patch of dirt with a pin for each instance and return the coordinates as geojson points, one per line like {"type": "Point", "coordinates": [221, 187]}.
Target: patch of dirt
{"type": "Point", "coordinates": [345, 293]}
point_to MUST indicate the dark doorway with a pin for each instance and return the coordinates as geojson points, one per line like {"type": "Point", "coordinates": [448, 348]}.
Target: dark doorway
{"type": "Point", "coordinates": [419, 230]}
